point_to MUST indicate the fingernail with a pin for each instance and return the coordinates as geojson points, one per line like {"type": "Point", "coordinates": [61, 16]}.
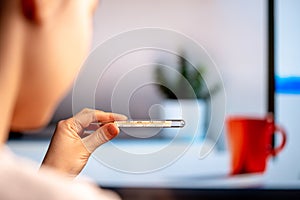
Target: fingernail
{"type": "Point", "coordinates": [121, 116]}
{"type": "Point", "coordinates": [113, 130]}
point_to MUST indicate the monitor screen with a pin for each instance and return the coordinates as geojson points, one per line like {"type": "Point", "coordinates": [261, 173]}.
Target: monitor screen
{"type": "Point", "coordinates": [287, 79]}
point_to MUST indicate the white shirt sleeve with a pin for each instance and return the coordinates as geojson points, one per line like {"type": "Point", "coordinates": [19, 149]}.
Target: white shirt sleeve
{"type": "Point", "coordinates": [19, 179]}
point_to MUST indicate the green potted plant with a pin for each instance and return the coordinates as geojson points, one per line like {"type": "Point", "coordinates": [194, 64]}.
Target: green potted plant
{"type": "Point", "coordinates": [185, 84]}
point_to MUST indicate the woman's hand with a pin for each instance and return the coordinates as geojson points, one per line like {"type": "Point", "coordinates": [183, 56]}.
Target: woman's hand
{"type": "Point", "coordinates": [69, 150]}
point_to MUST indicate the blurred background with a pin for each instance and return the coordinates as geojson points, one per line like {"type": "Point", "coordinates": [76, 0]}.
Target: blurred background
{"type": "Point", "coordinates": [234, 33]}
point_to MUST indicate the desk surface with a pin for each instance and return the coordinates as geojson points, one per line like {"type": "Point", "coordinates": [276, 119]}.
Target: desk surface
{"type": "Point", "coordinates": [188, 171]}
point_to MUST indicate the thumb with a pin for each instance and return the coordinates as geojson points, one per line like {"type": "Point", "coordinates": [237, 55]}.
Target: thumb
{"type": "Point", "coordinates": [100, 136]}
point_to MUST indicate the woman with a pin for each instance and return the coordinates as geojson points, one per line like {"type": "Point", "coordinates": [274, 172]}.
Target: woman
{"type": "Point", "coordinates": [43, 44]}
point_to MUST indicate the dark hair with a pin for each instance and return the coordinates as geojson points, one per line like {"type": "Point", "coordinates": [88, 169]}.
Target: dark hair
{"type": "Point", "coordinates": [4, 9]}
{"type": "Point", "coordinates": [3, 5]}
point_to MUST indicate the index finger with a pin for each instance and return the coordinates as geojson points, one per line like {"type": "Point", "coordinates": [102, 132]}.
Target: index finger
{"type": "Point", "coordinates": [87, 116]}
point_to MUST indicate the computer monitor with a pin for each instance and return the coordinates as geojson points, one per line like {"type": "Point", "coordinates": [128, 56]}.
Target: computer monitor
{"type": "Point", "coordinates": [286, 78]}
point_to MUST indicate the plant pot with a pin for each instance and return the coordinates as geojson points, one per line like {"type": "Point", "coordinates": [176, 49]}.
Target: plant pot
{"type": "Point", "coordinates": [192, 111]}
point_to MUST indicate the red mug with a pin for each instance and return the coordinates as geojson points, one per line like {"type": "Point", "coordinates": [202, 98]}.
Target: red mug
{"type": "Point", "coordinates": [250, 142]}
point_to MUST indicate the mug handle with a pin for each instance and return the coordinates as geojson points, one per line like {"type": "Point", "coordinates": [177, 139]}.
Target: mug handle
{"type": "Point", "coordinates": [280, 130]}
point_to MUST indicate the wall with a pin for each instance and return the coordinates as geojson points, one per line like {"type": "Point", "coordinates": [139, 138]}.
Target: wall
{"type": "Point", "coordinates": [233, 32]}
